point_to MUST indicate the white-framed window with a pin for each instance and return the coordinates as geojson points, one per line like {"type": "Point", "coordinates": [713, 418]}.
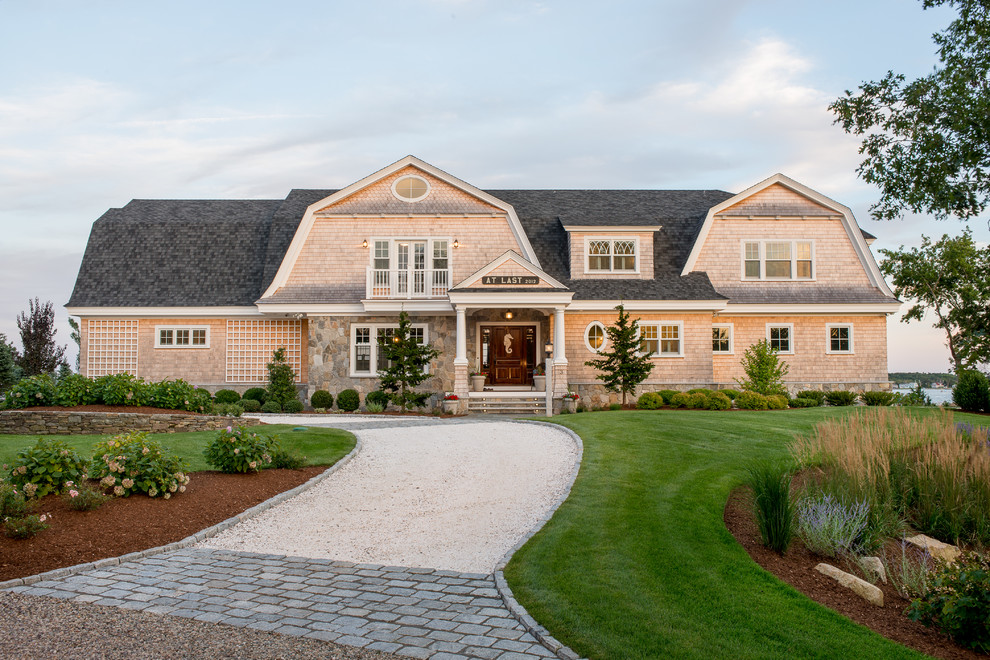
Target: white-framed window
{"type": "Point", "coordinates": [171, 336]}
{"type": "Point", "coordinates": [410, 267]}
{"type": "Point", "coordinates": [595, 337]}
{"type": "Point", "coordinates": [612, 255]}
{"type": "Point", "coordinates": [840, 338]}
{"type": "Point", "coordinates": [778, 260]}
{"type": "Point", "coordinates": [661, 338]}
{"type": "Point", "coordinates": [722, 338]}
{"type": "Point", "coordinates": [410, 188]}
{"type": "Point", "coordinates": [366, 338]}
{"type": "Point", "coordinates": [781, 337]}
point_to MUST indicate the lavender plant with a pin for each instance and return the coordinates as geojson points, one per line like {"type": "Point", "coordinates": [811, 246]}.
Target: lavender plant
{"type": "Point", "coordinates": [831, 528]}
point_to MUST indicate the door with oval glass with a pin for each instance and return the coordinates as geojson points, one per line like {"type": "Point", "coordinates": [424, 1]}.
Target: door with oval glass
{"type": "Point", "coordinates": [508, 352]}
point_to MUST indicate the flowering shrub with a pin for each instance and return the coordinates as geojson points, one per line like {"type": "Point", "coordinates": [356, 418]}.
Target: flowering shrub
{"type": "Point", "coordinates": [12, 502]}
{"type": "Point", "coordinates": [74, 390]}
{"type": "Point", "coordinates": [571, 395]}
{"type": "Point", "coordinates": [133, 463]}
{"type": "Point", "coordinates": [82, 497]}
{"type": "Point", "coordinates": [45, 467]}
{"type": "Point", "coordinates": [236, 450]}
{"type": "Point", "coordinates": [122, 390]}
{"type": "Point", "coordinates": [26, 526]}
{"type": "Point", "coordinates": [958, 601]}
{"type": "Point", "coordinates": [830, 528]}
{"type": "Point", "coordinates": [179, 395]}
{"type": "Point", "coordinates": [31, 391]}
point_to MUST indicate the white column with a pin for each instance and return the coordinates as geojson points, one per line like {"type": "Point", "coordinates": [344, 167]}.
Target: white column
{"type": "Point", "coordinates": [461, 357]}
{"type": "Point", "coordinates": [559, 354]}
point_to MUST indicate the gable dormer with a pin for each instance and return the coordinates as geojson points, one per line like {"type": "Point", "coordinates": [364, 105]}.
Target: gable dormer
{"type": "Point", "coordinates": [611, 251]}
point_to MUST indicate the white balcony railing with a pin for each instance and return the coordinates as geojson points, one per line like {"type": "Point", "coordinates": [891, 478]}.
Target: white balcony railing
{"type": "Point", "coordinates": [407, 283]}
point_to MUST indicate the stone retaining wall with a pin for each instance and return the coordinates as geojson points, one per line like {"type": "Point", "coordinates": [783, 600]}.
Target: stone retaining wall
{"type": "Point", "coordinates": [47, 422]}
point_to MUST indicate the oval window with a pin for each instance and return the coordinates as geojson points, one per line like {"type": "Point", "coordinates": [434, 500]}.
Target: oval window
{"type": "Point", "coordinates": [594, 337]}
{"type": "Point", "coordinates": [410, 188]}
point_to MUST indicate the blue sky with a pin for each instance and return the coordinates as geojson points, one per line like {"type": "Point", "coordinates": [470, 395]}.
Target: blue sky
{"type": "Point", "coordinates": [102, 102]}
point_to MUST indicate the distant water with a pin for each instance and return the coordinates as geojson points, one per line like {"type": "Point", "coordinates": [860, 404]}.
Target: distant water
{"type": "Point", "coordinates": [938, 396]}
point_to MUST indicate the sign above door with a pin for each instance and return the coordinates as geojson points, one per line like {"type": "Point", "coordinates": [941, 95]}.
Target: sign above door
{"type": "Point", "coordinates": [512, 280]}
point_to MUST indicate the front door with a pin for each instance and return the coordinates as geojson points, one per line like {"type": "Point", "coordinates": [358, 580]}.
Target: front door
{"type": "Point", "coordinates": [509, 350]}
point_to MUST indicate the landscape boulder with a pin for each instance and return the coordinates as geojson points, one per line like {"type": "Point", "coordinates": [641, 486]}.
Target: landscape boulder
{"type": "Point", "coordinates": [943, 551]}
{"type": "Point", "coordinates": [858, 586]}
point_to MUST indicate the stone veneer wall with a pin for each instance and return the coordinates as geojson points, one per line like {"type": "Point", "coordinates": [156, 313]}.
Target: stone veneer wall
{"type": "Point", "coordinates": [330, 353]}
{"type": "Point", "coordinates": [49, 422]}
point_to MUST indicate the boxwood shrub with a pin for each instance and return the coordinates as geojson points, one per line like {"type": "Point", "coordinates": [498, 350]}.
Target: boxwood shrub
{"type": "Point", "coordinates": [777, 402]}
{"type": "Point", "coordinates": [271, 407]}
{"type": "Point", "coordinates": [732, 394]}
{"type": "Point", "coordinates": [752, 401]}
{"type": "Point", "coordinates": [668, 395]}
{"type": "Point", "coordinates": [649, 401]}
{"type": "Point", "coordinates": [250, 405]}
{"type": "Point", "coordinates": [257, 393]}
{"type": "Point", "coordinates": [226, 396]}
{"type": "Point", "coordinates": [321, 399]}
{"type": "Point", "coordinates": [718, 401]}
{"type": "Point", "coordinates": [349, 400]}
{"type": "Point", "coordinates": [293, 406]}
{"type": "Point", "coordinates": [679, 400]}
{"type": "Point", "coordinates": [801, 402]}
{"type": "Point", "coordinates": [379, 398]}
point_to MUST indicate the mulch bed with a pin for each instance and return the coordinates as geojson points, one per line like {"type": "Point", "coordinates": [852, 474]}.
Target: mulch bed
{"type": "Point", "coordinates": [797, 568]}
{"type": "Point", "coordinates": [146, 410]}
{"type": "Point", "coordinates": [139, 522]}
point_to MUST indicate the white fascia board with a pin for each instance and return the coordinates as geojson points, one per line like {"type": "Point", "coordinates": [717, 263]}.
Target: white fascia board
{"type": "Point", "coordinates": [413, 306]}
{"type": "Point", "coordinates": [164, 312]}
{"type": "Point", "coordinates": [509, 255]}
{"type": "Point", "coordinates": [844, 212]}
{"type": "Point", "coordinates": [781, 309]}
{"type": "Point", "coordinates": [604, 229]}
{"type": "Point", "coordinates": [309, 217]}
{"type": "Point", "coordinates": [319, 309]}
{"type": "Point", "coordinates": [478, 299]}
{"type": "Point", "coordinates": [649, 305]}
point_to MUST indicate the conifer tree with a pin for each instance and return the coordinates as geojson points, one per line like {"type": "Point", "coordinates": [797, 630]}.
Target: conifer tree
{"type": "Point", "coordinates": [407, 359]}
{"type": "Point", "coordinates": [8, 365]}
{"type": "Point", "coordinates": [281, 379]}
{"type": "Point", "coordinates": [622, 364]}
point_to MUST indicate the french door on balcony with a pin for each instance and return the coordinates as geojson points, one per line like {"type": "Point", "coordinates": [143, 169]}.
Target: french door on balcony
{"type": "Point", "coordinates": [409, 269]}
{"type": "Point", "coordinates": [410, 258]}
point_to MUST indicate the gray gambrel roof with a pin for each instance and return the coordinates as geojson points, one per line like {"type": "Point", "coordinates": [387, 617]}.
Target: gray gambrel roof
{"type": "Point", "coordinates": [206, 253]}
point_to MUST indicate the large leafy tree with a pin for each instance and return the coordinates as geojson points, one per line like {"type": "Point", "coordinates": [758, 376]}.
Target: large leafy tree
{"type": "Point", "coordinates": [951, 278]}
{"type": "Point", "coordinates": [407, 361]}
{"type": "Point", "coordinates": [622, 365]}
{"type": "Point", "coordinates": [927, 142]}
{"type": "Point", "coordinates": [41, 355]}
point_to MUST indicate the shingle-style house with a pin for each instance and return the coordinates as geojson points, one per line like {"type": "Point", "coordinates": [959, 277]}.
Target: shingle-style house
{"type": "Point", "coordinates": [205, 290]}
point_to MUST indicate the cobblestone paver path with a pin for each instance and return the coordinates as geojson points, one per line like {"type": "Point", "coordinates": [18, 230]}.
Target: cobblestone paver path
{"type": "Point", "coordinates": [419, 613]}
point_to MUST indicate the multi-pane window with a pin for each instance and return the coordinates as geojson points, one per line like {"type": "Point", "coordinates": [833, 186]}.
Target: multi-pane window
{"type": "Point", "coordinates": [413, 268]}
{"type": "Point", "coordinates": [780, 338]}
{"type": "Point", "coordinates": [367, 358]}
{"type": "Point", "coordinates": [778, 260]}
{"type": "Point", "coordinates": [660, 339]}
{"type": "Point", "coordinates": [840, 339]}
{"type": "Point", "coordinates": [381, 255]}
{"type": "Point", "coordinates": [721, 338]}
{"type": "Point", "coordinates": [612, 255]}
{"type": "Point", "coordinates": [182, 337]}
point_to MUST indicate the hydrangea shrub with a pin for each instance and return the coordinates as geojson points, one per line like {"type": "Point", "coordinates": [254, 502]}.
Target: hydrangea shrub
{"type": "Point", "coordinates": [238, 450]}
{"type": "Point", "coordinates": [134, 463]}
{"type": "Point", "coordinates": [45, 467]}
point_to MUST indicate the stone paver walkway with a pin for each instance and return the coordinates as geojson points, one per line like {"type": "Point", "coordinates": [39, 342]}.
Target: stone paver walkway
{"type": "Point", "coordinates": [419, 613]}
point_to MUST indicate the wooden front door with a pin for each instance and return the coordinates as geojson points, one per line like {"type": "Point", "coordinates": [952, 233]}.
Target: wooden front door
{"type": "Point", "coordinates": [509, 352]}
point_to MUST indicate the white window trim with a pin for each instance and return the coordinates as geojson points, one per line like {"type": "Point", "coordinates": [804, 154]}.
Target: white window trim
{"type": "Point", "coordinates": [173, 328]}
{"type": "Point", "coordinates": [587, 255]}
{"type": "Point", "coordinates": [732, 342]}
{"type": "Point", "coordinates": [763, 260]}
{"type": "Point", "coordinates": [790, 336]}
{"type": "Point", "coordinates": [680, 338]}
{"type": "Point", "coordinates": [406, 199]}
{"type": "Point", "coordinates": [587, 343]}
{"type": "Point", "coordinates": [374, 327]}
{"type": "Point", "coordinates": [828, 339]}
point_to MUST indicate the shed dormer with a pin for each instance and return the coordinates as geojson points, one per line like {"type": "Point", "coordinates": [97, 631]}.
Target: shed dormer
{"type": "Point", "coordinates": [611, 251]}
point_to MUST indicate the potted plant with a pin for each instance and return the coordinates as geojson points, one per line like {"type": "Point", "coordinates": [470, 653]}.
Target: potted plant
{"type": "Point", "coordinates": [450, 402]}
{"type": "Point", "coordinates": [540, 377]}
{"type": "Point", "coordinates": [570, 402]}
{"type": "Point", "coordinates": [478, 381]}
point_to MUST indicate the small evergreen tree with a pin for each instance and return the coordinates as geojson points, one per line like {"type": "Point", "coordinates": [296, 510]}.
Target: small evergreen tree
{"type": "Point", "coordinates": [76, 337]}
{"type": "Point", "coordinates": [622, 365]}
{"type": "Point", "coordinates": [41, 355]}
{"type": "Point", "coordinates": [407, 360]}
{"type": "Point", "coordinates": [281, 379]}
{"type": "Point", "coordinates": [764, 370]}
{"type": "Point", "coordinates": [9, 372]}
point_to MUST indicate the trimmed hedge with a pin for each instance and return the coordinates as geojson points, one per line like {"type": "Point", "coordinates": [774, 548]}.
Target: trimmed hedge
{"type": "Point", "coordinates": [752, 401]}
{"type": "Point", "coordinates": [321, 399]}
{"type": "Point", "coordinates": [349, 400]}
{"type": "Point", "coordinates": [226, 396]}
{"type": "Point", "coordinates": [259, 394]}
{"type": "Point", "coordinates": [649, 401]}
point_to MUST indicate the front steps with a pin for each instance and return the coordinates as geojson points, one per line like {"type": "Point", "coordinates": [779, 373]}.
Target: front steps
{"type": "Point", "coordinates": [508, 403]}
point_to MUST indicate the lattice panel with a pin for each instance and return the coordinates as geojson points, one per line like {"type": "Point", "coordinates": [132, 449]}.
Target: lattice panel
{"type": "Point", "coordinates": [250, 344]}
{"type": "Point", "coordinates": [111, 347]}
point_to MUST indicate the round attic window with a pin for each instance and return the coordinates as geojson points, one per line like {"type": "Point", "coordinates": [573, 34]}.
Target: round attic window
{"type": "Point", "coordinates": [410, 188]}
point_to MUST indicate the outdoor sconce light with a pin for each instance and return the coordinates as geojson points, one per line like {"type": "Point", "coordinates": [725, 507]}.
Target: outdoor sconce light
{"type": "Point", "coordinates": [457, 243]}
{"type": "Point", "coordinates": [508, 316]}
{"type": "Point", "coordinates": [548, 348]}
{"type": "Point", "coordinates": [365, 243]}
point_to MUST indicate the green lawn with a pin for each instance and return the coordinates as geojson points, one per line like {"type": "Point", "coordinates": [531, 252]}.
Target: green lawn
{"type": "Point", "coordinates": [320, 446]}
{"type": "Point", "coordinates": [638, 564]}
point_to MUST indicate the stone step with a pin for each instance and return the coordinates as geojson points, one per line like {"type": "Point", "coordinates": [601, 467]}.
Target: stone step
{"type": "Point", "coordinates": [523, 404]}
